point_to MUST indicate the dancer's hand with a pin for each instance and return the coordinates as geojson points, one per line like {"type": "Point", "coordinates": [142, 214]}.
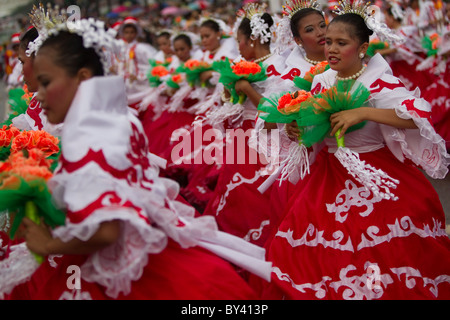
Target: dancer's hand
{"type": "Point", "coordinates": [292, 130]}
{"type": "Point", "coordinates": [345, 119]}
{"type": "Point", "coordinates": [36, 236]}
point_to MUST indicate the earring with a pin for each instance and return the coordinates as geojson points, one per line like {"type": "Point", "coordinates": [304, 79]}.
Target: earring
{"type": "Point", "coordinates": [252, 45]}
{"type": "Point", "coordinates": [361, 55]}
{"type": "Point", "coordinates": [300, 45]}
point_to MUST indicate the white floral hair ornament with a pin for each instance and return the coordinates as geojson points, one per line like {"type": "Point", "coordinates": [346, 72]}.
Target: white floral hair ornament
{"type": "Point", "coordinates": [93, 32]}
{"type": "Point", "coordinates": [260, 29]}
{"type": "Point", "coordinates": [397, 11]}
{"type": "Point", "coordinates": [370, 14]}
{"type": "Point", "coordinates": [224, 28]}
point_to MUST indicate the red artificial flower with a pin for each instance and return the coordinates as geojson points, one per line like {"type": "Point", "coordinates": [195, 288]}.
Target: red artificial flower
{"type": "Point", "coordinates": [177, 78]}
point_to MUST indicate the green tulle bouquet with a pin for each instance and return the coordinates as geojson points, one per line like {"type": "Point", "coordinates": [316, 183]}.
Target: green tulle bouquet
{"type": "Point", "coordinates": [230, 73]}
{"type": "Point", "coordinates": [193, 68]}
{"type": "Point", "coordinates": [23, 178]}
{"type": "Point", "coordinates": [312, 114]}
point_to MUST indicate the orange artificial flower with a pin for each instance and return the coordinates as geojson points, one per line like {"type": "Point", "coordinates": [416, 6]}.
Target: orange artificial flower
{"type": "Point", "coordinates": [435, 41]}
{"type": "Point", "coordinates": [7, 133]}
{"type": "Point", "coordinates": [315, 70]}
{"type": "Point", "coordinates": [35, 139]}
{"type": "Point", "coordinates": [192, 64]}
{"type": "Point", "coordinates": [291, 103]}
{"type": "Point", "coordinates": [22, 141]}
{"type": "Point", "coordinates": [246, 67]}
{"type": "Point", "coordinates": [28, 95]}
{"type": "Point", "coordinates": [318, 68]}
{"type": "Point", "coordinates": [31, 167]}
{"type": "Point", "coordinates": [46, 142]}
{"type": "Point", "coordinates": [159, 71]}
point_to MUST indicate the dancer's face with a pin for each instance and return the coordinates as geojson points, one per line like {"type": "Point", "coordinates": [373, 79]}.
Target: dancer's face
{"type": "Point", "coordinates": [210, 38]}
{"type": "Point", "coordinates": [245, 48]}
{"type": "Point", "coordinates": [129, 34]}
{"type": "Point", "coordinates": [56, 88]}
{"type": "Point", "coordinates": [312, 30]}
{"type": "Point", "coordinates": [27, 70]}
{"type": "Point", "coordinates": [182, 50]}
{"type": "Point", "coordinates": [164, 45]}
{"type": "Point", "coordinates": [342, 49]}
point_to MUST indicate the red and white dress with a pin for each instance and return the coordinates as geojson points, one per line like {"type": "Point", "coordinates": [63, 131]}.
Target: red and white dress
{"type": "Point", "coordinates": [200, 176]}
{"type": "Point", "coordinates": [106, 173]}
{"type": "Point", "coordinates": [340, 241]}
{"type": "Point", "coordinates": [239, 207]}
{"type": "Point", "coordinates": [437, 92]}
{"type": "Point", "coordinates": [134, 61]}
{"type": "Point", "coordinates": [284, 153]}
{"type": "Point", "coordinates": [35, 119]}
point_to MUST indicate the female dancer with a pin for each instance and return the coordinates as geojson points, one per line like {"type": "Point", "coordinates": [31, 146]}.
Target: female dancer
{"type": "Point", "coordinates": [33, 118]}
{"type": "Point", "coordinates": [174, 108]}
{"type": "Point", "coordinates": [165, 52]}
{"type": "Point", "coordinates": [124, 230]}
{"type": "Point", "coordinates": [243, 172]}
{"type": "Point", "coordinates": [201, 176]}
{"type": "Point", "coordinates": [304, 25]}
{"type": "Point", "coordinates": [339, 239]}
{"type": "Point", "coordinates": [135, 61]}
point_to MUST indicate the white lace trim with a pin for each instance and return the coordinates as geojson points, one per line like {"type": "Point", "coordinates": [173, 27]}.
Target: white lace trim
{"type": "Point", "coordinates": [116, 266]}
{"type": "Point", "coordinates": [207, 99]}
{"type": "Point", "coordinates": [231, 112]}
{"type": "Point", "coordinates": [236, 181]}
{"type": "Point", "coordinates": [255, 234]}
{"type": "Point", "coordinates": [352, 196]}
{"type": "Point", "coordinates": [410, 282]}
{"type": "Point", "coordinates": [403, 227]}
{"type": "Point", "coordinates": [376, 180]}
{"type": "Point", "coordinates": [370, 283]}
{"type": "Point", "coordinates": [312, 231]}
{"type": "Point", "coordinates": [432, 156]}
{"type": "Point", "coordinates": [176, 102]}
{"type": "Point", "coordinates": [16, 269]}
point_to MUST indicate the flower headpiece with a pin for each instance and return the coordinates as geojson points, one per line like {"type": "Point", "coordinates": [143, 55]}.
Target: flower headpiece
{"type": "Point", "coordinates": [224, 28]}
{"type": "Point", "coordinates": [260, 29]}
{"type": "Point", "coordinates": [291, 7]}
{"type": "Point", "coordinates": [44, 20]}
{"type": "Point", "coordinates": [370, 15]}
{"type": "Point", "coordinates": [93, 32]}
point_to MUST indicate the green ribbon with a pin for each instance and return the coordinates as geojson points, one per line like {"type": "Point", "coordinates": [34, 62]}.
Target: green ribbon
{"type": "Point", "coordinates": [340, 141]}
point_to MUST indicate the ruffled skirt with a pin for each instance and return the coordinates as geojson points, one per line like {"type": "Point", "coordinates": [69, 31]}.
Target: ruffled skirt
{"type": "Point", "coordinates": [173, 274]}
{"type": "Point", "coordinates": [339, 241]}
